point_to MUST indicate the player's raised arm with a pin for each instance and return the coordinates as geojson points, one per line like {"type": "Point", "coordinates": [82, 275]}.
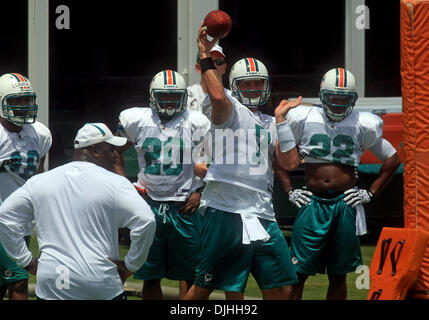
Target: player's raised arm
{"type": "Point", "coordinates": [222, 106]}
{"type": "Point", "coordinates": [286, 151]}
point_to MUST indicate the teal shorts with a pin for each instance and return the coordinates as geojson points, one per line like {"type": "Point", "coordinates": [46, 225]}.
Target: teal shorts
{"type": "Point", "coordinates": [9, 270]}
{"type": "Point", "coordinates": [225, 262]}
{"type": "Point", "coordinates": [324, 238]}
{"type": "Point", "coordinates": [174, 251]}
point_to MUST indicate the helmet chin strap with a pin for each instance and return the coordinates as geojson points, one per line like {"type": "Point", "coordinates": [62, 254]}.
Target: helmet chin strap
{"type": "Point", "coordinates": [253, 103]}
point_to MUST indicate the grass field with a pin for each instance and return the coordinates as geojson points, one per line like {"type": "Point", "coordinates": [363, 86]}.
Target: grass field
{"type": "Point", "coordinates": [315, 288]}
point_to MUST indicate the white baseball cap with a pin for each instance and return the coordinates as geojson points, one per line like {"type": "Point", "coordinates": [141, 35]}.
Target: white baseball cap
{"type": "Point", "coordinates": [93, 133]}
{"type": "Point", "coordinates": [216, 48]}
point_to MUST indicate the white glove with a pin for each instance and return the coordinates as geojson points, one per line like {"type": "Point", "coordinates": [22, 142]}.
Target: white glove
{"type": "Point", "coordinates": [355, 196]}
{"type": "Point", "coordinates": [300, 197]}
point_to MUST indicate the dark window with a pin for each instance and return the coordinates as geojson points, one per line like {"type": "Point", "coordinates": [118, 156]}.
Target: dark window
{"type": "Point", "coordinates": [382, 50]}
{"type": "Point", "coordinates": [14, 36]}
{"type": "Point", "coordinates": [104, 62]}
{"type": "Point", "coordinates": [298, 41]}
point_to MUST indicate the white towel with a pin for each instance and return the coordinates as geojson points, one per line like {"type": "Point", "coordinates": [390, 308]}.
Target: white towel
{"type": "Point", "coordinates": [253, 229]}
{"type": "Point", "coordinates": [360, 221]}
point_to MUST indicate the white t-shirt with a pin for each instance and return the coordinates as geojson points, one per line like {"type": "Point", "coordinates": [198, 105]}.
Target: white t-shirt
{"type": "Point", "coordinates": [78, 209]}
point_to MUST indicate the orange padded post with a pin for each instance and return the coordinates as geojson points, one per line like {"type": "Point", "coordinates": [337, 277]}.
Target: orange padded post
{"type": "Point", "coordinates": [414, 32]}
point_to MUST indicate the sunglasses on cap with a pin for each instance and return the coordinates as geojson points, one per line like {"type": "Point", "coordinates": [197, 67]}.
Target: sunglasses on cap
{"type": "Point", "coordinates": [219, 62]}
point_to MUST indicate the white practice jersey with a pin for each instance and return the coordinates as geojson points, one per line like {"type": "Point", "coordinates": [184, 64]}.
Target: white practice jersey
{"type": "Point", "coordinates": [78, 208]}
{"type": "Point", "coordinates": [166, 152]}
{"type": "Point", "coordinates": [240, 178]}
{"type": "Point", "coordinates": [20, 154]}
{"type": "Point", "coordinates": [269, 123]}
{"type": "Point", "coordinates": [199, 100]}
{"type": "Point", "coordinates": [322, 140]}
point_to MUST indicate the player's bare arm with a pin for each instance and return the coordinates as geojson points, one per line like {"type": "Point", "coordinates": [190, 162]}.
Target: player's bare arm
{"type": "Point", "coordinates": [32, 266]}
{"type": "Point", "coordinates": [387, 171]}
{"type": "Point", "coordinates": [222, 106]}
{"type": "Point", "coordinates": [119, 166]}
{"type": "Point", "coordinates": [124, 273]}
{"type": "Point", "coordinates": [42, 165]}
{"type": "Point", "coordinates": [282, 176]}
{"type": "Point", "coordinates": [289, 159]}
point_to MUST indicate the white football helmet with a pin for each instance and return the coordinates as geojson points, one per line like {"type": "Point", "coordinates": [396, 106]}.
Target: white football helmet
{"type": "Point", "coordinates": [168, 93]}
{"type": "Point", "coordinates": [338, 93]}
{"type": "Point", "coordinates": [18, 100]}
{"type": "Point", "coordinates": [250, 69]}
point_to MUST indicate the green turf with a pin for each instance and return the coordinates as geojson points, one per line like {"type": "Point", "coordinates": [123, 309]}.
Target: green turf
{"type": "Point", "coordinates": [315, 288]}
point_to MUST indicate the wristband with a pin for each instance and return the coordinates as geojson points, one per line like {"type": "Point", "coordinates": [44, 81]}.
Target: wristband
{"type": "Point", "coordinates": [285, 136]}
{"type": "Point", "coordinates": [206, 64]}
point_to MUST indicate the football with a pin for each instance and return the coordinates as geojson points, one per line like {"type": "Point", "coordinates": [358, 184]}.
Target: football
{"type": "Point", "coordinates": [218, 24]}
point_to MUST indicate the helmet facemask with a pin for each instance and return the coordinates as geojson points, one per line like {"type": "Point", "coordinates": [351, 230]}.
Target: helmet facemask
{"type": "Point", "coordinates": [337, 104]}
{"type": "Point", "coordinates": [338, 93]}
{"type": "Point", "coordinates": [242, 78]}
{"type": "Point", "coordinates": [169, 103]}
{"type": "Point", "coordinates": [168, 94]}
{"type": "Point", "coordinates": [20, 108]}
{"type": "Point", "coordinates": [251, 98]}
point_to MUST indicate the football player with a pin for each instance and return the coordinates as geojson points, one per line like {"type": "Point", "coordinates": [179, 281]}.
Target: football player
{"type": "Point", "coordinates": [23, 147]}
{"type": "Point", "coordinates": [240, 234]}
{"type": "Point", "coordinates": [331, 141]}
{"type": "Point", "coordinates": [165, 136]}
{"type": "Point", "coordinates": [250, 85]}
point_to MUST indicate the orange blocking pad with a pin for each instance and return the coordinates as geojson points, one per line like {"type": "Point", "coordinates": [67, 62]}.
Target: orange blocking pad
{"type": "Point", "coordinates": [414, 30]}
{"type": "Point", "coordinates": [396, 262]}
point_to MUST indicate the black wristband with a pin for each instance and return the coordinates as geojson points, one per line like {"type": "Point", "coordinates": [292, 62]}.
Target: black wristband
{"type": "Point", "coordinates": [206, 64]}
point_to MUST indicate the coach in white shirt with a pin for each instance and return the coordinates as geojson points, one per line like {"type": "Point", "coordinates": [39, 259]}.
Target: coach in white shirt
{"type": "Point", "coordinates": [78, 208]}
